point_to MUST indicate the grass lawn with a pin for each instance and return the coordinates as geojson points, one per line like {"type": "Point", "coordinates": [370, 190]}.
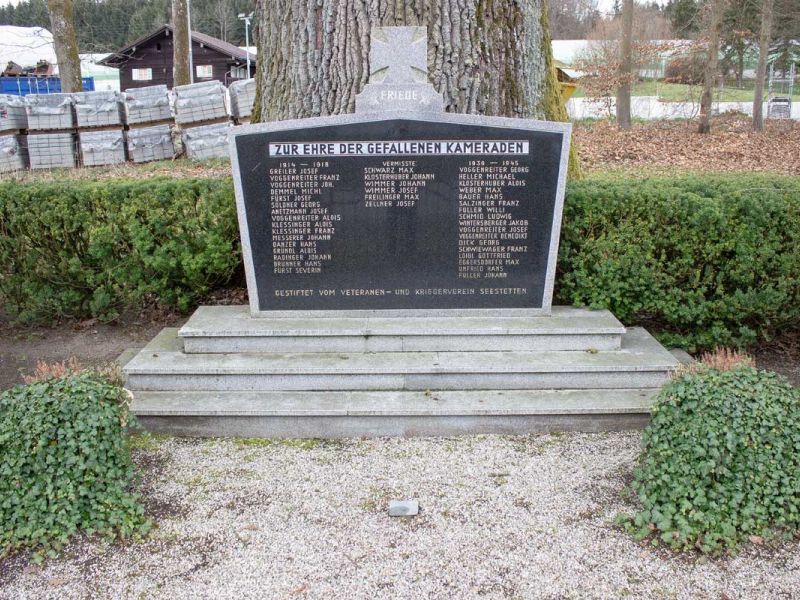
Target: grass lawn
{"type": "Point", "coordinates": [678, 92]}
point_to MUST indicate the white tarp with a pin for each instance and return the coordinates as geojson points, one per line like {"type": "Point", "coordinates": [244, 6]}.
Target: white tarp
{"type": "Point", "coordinates": [147, 104]}
{"type": "Point", "coordinates": [26, 46]}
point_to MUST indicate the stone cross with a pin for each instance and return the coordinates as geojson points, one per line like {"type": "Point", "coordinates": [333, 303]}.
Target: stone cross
{"type": "Point", "coordinates": [398, 76]}
{"type": "Point", "coordinates": [399, 55]}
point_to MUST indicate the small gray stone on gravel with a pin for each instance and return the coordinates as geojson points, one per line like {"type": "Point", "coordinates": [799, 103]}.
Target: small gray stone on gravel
{"type": "Point", "coordinates": [403, 508]}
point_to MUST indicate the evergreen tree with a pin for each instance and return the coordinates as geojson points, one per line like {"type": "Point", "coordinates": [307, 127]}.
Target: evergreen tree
{"type": "Point", "coordinates": [106, 25]}
{"type": "Point", "coordinates": [685, 17]}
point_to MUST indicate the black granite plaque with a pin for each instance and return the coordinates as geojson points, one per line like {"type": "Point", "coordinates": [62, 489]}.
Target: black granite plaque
{"type": "Point", "coordinates": [399, 214]}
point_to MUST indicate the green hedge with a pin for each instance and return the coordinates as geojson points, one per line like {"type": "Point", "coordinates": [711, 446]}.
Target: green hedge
{"type": "Point", "coordinates": [77, 249]}
{"type": "Point", "coordinates": [701, 260]}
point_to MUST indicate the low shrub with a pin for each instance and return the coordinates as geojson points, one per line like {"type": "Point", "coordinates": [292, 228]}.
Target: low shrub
{"type": "Point", "coordinates": [720, 461]}
{"type": "Point", "coordinates": [66, 464]}
{"type": "Point", "coordinates": [687, 68]}
{"type": "Point", "coordinates": [703, 261]}
{"type": "Point", "coordinates": [80, 248]}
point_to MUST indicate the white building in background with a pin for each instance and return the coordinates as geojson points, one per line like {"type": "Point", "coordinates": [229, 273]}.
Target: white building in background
{"type": "Point", "coordinates": [105, 78]}
{"type": "Point", "coordinates": [568, 51]}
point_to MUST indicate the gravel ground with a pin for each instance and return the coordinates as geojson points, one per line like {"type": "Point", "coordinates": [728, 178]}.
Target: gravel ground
{"type": "Point", "coordinates": [500, 517]}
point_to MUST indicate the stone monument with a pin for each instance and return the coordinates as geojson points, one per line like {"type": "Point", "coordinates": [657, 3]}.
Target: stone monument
{"type": "Point", "coordinates": [400, 265]}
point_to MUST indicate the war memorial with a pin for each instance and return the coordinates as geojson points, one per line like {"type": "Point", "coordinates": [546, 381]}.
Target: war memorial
{"type": "Point", "coordinates": [400, 264]}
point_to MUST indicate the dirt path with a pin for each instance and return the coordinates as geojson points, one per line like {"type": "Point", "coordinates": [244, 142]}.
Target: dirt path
{"type": "Point", "coordinates": [90, 342]}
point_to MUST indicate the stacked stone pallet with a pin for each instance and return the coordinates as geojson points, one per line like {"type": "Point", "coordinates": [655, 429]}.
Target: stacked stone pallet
{"type": "Point", "coordinates": [201, 112]}
{"type": "Point", "coordinates": [100, 120]}
{"type": "Point", "coordinates": [13, 124]}
{"type": "Point", "coordinates": [52, 135]}
{"type": "Point", "coordinates": [106, 128]}
{"type": "Point", "coordinates": [206, 141]}
{"type": "Point", "coordinates": [98, 109]}
{"type": "Point", "coordinates": [12, 113]}
{"type": "Point", "coordinates": [147, 105]}
{"type": "Point", "coordinates": [243, 96]}
{"type": "Point", "coordinates": [149, 118]}
{"type": "Point", "coordinates": [13, 154]}
{"type": "Point", "coordinates": [146, 144]}
{"type": "Point", "coordinates": [103, 147]}
{"type": "Point", "coordinates": [200, 103]}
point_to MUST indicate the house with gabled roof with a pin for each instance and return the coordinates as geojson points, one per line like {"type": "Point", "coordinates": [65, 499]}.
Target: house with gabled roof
{"type": "Point", "coordinates": [148, 60]}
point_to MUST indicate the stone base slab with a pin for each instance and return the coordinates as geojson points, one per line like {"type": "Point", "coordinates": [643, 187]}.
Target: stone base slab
{"type": "Point", "coordinates": [227, 373]}
{"type": "Point", "coordinates": [231, 329]}
{"type": "Point", "coordinates": [372, 414]}
{"type": "Point", "coordinates": [365, 427]}
{"type": "Point", "coordinates": [162, 365]}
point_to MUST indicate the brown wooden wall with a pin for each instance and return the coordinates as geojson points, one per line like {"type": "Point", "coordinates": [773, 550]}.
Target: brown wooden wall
{"type": "Point", "coordinates": [156, 54]}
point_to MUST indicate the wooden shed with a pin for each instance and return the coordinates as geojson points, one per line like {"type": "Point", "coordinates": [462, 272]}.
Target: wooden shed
{"type": "Point", "coordinates": [148, 60]}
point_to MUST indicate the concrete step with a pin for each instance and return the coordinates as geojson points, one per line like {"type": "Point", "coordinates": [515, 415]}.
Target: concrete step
{"type": "Point", "coordinates": [390, 413]}
{"type": "Point", "coordinates": [231, 329]}
{"type": "Point", "coordinates": [162, 366]}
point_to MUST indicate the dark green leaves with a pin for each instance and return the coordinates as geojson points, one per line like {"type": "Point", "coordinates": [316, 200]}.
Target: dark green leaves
{"type": "Point", "coordinates": [704, 261]}
{"type": "Point", "coordinates": [720, 461]}
{"type": "Point", "coordinates": [65, 463]}
{"type": "Point", "coordinates": [79, 249]}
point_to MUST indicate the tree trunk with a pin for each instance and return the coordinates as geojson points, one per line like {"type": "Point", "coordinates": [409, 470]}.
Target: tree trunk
{"type": "Point", "coordinates": [740, 50]}
{"type": "Point", "coordinates": [625, 67]}
{"type": "Point", "coordinates": [553, 107]}
{"type": "Point", "coordinates": [761, 69]}
{"type": "Point", "coordinates": [716, 9]}
{"type": "Point", "coordinates": [484, 56]}
{"type": "Point", "coordinates": [65, 41]}
{"type": "Point", "coordinates": [489, 57]}
{"type": "Point", "coordinates": [181, 70]}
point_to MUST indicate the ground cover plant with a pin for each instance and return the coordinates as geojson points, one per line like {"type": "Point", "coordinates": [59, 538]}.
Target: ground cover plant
{"type": "Point", "coordinates": [66, 463]}
{"type": "Point", "coordinates": [721, 460]}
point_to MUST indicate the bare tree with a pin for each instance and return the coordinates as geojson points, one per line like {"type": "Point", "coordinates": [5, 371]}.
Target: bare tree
{"type": "Point", "coordinates": [625, 67]}
{"type": "Point", "coordinates": [572, 19]}
{"type": "Point", "coordinates": [761, 70]}
{"type": "Point", "coordinates": [222, 13]}
{"type": "Point", "coordinates": [62, 23]}
{"type": "Point", "coordinates": [715, 10]}
{"type": "Point", "coordinates": [649, 23]}
{"type": "Point", "coordinates": [493, 59]}
{"type": "Point", "coordinates": [181, 70]}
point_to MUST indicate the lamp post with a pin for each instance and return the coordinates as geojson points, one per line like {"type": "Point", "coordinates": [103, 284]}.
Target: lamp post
{"type": "Point", "coordinates": [189, 25]}
{"type": "Point", "coordinates": [246, 18]}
